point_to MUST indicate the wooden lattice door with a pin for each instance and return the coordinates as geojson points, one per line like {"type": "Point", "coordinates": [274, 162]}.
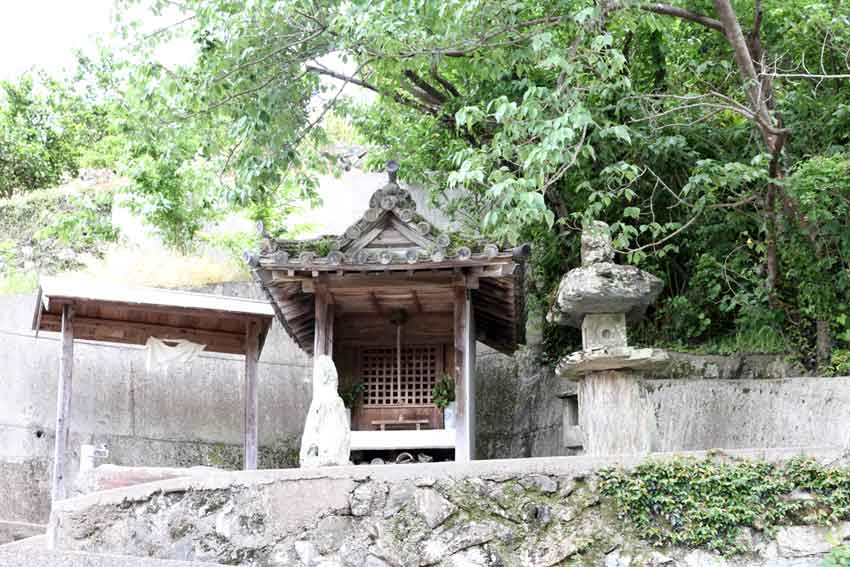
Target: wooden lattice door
{"type": "Point", "coordinates": [406, 396]}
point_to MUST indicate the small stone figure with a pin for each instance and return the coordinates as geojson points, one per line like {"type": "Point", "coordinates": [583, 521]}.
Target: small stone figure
{"type": "Point", "coordinates": [327, 434]}
{"type": "Point", "coordinates": [596, 244]}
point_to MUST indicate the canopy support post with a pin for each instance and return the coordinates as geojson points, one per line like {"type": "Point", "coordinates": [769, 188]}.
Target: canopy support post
{"type": "Point", "coordinates": [252, 340]}
{"type": "Point", "coordinates": [63, 401]}
{"type": "Point", "coordinates": [463, 394]}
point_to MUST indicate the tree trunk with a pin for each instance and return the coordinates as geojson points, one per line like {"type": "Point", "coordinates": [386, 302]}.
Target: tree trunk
{"type": "Point", "coordinates": [824, 343]}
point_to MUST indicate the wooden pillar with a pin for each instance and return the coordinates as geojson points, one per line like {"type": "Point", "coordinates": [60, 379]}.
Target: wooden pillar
{"type": "Point", "coordinates": [63, 401]}
{"type": "Point", "coordinates": [324, 325]}
{"type": "Point", "coordinates": [463, 426]}
{"type": "Point", "coordinates": [251, 425]}
{"type": "Point", "coordinates": [329, 327]}
{"type": "Point", "coordinates": [469, 370]}
{"type": "Point", "coordinates": [320, 325]}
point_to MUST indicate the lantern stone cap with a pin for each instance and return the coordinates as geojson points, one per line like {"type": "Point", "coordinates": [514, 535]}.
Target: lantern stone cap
{"type": "Point", "coordinates": [600, 285]}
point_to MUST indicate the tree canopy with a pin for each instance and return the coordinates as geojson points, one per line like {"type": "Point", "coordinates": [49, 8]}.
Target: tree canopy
{"type": "Point", "coordinates": [711, 134]}
{"type": "Point", "coordinates": [46, 129]}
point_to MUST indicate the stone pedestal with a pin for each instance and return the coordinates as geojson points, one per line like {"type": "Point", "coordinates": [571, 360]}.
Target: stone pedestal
{"type": "Point", "coordinates": [615, 416]}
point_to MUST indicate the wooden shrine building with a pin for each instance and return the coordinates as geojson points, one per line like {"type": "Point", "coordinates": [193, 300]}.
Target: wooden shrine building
{"type": "Point", "coordinates": [398, 304]}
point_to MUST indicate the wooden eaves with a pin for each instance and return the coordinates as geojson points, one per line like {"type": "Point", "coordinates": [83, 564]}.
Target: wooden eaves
{"type": "Point", "coordinates": [392, 249]}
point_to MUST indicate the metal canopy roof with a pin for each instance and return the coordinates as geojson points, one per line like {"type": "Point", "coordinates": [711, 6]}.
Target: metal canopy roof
{"type": "Point", "coordinates": [132, 315]}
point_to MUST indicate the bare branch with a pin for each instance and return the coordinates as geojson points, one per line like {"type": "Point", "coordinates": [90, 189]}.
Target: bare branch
{"type": "Point", "coordinates": [744, 60]}
{"type": "Point", "coordinates": [667, 10]}
{"type": "Point", "coordinates": [563, 169]}
{"type": "Point", "coordinates": [812, 76]}
{"type": "Point", "coordinates": [366, 85]}
{"type": "Point", "coordinates": [450, 88]}
{"type": "Point", "coordinates": [269, 55]}
{"type": "Point", "coordinates": [691, 221]}
{"type": "Point", "coordinates": [425, 86]}
{"type": "Point", "coordinates": [164, 29]}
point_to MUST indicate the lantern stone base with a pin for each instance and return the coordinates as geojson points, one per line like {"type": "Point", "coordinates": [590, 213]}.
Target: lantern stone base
{"type": "Point", "coordinates": [583, 362]}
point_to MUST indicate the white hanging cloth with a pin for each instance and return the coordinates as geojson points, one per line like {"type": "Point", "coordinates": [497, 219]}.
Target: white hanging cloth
{"type": "Point", "coordinates": [161, 353]}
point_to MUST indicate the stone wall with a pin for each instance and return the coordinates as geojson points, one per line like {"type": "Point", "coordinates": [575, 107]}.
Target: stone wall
{"type": "Point", "coordinates": [519, 406]}
{"type": "Point", "coordinates": [530, 512]}
{"type": "Point", "coordinates": [620, 413]}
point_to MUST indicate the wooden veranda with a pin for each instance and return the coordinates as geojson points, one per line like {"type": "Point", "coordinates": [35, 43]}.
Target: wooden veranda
{"type": "Point", "coordinates": [90, 312]}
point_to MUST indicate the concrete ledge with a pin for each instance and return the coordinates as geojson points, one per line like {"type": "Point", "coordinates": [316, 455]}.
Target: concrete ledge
{"type": "Point", "coordinates": [43, 558]}
{"type": "Point", "coordinates": [575, 466]}
{"type": "Point", "coordinates": [14, 531]}
{"type": "Point", "coordinates": [35, 542]}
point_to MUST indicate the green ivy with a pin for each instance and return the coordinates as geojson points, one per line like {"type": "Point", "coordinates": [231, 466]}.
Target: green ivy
{"type": "Point", "coordinates": [706, 503]}
{"type": "Point", "coordinates": [839, 556]}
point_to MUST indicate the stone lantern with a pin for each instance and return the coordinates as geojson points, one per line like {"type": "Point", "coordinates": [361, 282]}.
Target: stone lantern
{"type": "Point", "coordinates": [601, 297]}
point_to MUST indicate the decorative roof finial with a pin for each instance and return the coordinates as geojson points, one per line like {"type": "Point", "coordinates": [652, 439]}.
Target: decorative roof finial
{"type": "Point", "coordinates": [392, 170]}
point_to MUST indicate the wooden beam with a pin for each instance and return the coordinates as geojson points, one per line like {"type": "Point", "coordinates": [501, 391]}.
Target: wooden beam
{"type": "Point", "coordinates": [416, 303]}
{"type": "Point", "coordinates": [114, 331]}
{"type": "Point", "coordinates": [85, 305]}
{"type": "Point", "coordinates": [63, 402]}
{"type": "Point", "coordinates": [475, 260]}
{"type": "Point", "coordinates": [251, 430]}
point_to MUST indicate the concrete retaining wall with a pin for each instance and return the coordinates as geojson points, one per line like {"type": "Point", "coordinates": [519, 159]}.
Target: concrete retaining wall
{"type": "Point", "coordinates": [787, 412]}
{"type": "Point", "coordinates": [632, 414]}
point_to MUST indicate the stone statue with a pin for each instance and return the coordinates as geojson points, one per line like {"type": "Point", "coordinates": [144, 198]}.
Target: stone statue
{"type": "Point", "coordinates": [327, 434]}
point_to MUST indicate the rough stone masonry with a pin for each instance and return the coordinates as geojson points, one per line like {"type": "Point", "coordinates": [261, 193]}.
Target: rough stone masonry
{"type": "Point", "coordinates": [530, 512]}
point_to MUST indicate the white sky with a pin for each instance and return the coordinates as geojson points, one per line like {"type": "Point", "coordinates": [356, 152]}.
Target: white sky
{"type": "Point", "coordinates": [43, 33]}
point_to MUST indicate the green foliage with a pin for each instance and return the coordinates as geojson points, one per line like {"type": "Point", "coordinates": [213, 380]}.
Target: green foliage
{"type": "Point", "coordinates": [681, 318]}
{"type": "Point", "coordinates": [525, 119]}
{"type": "Point", "coordinates": [838, 556]}
{"type": "Point", "coordinates": [839, 363]}
{"type": "Point", "coordinates": [45, 128]}
{"type": "Point", "coordinates": [84, 223]}
{"type": "Point", "coordinates": [443, 392]}
{"type": "Point", "coordinates": [14, 282]}
{"type": "Point", "coordinates": [351, 395]}
{"type": "Point", "coordinates": [53, 230]}
{"type": "Point", "coordinates": [705, 503]}
{"type": "Point", "coordinates": [235, 243]}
